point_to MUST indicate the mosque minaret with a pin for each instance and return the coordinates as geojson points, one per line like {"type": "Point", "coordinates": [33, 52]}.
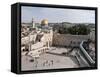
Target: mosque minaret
{"type": "Point", "coordinates": [33, 23]}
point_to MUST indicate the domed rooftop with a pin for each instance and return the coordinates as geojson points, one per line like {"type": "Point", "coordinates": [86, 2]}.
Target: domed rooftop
{"type": "Point", "coordinates": [44, 22]}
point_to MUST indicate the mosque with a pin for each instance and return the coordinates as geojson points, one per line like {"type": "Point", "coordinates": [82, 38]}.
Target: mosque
{"type": "Point", "coordinates": [40, 40]}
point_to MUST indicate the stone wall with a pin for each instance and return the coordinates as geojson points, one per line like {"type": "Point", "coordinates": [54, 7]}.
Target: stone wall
{"type": "Point", "coordinates": [68, 40]}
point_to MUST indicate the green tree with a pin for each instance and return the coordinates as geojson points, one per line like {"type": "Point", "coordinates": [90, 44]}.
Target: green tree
{"type": "Point", "coordinates": [79, 29]}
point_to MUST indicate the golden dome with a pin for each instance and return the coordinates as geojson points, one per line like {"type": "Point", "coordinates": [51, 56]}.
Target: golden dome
{"type": "Point", "coordinates": [44, 22]}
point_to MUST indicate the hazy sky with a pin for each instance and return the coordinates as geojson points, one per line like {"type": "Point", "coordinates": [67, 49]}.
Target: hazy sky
{"type": "Point", "coordinates": [57, 15]}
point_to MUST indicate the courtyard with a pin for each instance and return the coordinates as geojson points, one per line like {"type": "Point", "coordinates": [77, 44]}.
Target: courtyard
{"type": "Point", "coordinates": [54, 58]}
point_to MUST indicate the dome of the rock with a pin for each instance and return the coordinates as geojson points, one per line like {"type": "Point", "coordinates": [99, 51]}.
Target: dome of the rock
{"type": "Point", "coordinates": [44, 22]}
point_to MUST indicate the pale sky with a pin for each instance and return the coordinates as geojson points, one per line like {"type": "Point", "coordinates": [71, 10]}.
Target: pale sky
{"type": "Point", "coordinates": [57, 15]}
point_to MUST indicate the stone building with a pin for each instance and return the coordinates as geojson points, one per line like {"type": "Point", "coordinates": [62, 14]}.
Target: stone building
{"type": "Point", "coordinates": [39, 40]}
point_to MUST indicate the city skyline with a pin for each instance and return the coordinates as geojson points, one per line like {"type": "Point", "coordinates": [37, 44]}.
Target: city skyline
{"type": "Point", "coordinates": [54, 15]}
